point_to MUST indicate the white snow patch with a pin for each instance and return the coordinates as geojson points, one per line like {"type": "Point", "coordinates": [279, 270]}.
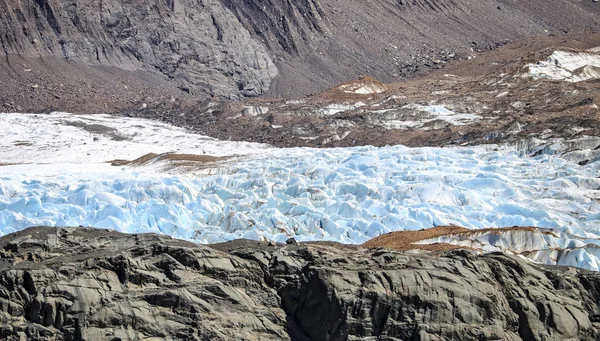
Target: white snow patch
{"type": "Point", "coordinates": [423, 116]}
{"type": "Point", "coordinates": [255, 110]}
{"type": "Point", "coordinates": [92, 139]}
{"type": "Point", "coordinates": [363, 88]}
{"type": "Point", "coordinates": [568, 66]}
{"type": "Point", "coordinates": [335, 108]}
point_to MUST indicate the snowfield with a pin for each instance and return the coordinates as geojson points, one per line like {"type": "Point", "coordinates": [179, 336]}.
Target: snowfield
{"type": "Point", "coordinates": [348, 195]}
{"type": "Point", "coordinates": [89, 139]}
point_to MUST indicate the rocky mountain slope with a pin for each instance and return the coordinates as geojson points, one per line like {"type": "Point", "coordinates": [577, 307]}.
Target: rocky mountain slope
{"type": "Point", "coordinates": [233, 49]}
{"type": "Point", "coordinates": [84, 284]}
{"type": "Point", "coordinates": [195, 43]}
{"type": "Point", "coordinates": [292, 73]}
{"type": "Point", "coordinates": [510, 94]}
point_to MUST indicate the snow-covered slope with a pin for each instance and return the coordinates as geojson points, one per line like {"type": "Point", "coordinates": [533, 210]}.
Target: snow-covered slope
{"type": "Point", "coordinates": [348, 195]}
{"type": "Point", "coordinates": [90, 139]}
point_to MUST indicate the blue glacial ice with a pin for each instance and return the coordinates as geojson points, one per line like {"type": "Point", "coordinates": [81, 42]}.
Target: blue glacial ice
{"type": "Point", "coordinates": [347, 195]}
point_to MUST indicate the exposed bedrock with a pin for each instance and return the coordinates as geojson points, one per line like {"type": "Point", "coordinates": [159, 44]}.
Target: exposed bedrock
{"type": "Point", "coordinates": [88, 284]}
{"type": "Point", "coordinates": [198, 44]}
{"type": "Point", "coordinates": [240, 48]}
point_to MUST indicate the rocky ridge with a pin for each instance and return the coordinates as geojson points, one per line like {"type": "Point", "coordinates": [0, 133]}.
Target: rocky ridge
{"type": "Point", "coordinates": [84, 284]}
{"type": "Point", "coordinates": [200, 45]}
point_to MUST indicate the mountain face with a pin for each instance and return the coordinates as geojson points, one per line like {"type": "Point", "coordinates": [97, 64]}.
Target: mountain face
{"type": "Point", "coordinates": [240, 48]}
{"type": "Point", "coordinates": [192, 42]}
{"type": "Point", "coordinates": [542, 88]}
{"type": "Point", "coordinates": [92, 284]}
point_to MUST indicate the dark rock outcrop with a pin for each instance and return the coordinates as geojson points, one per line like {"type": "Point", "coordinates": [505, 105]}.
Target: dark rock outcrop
{"type": "Point", "coordinates": [89, 284]}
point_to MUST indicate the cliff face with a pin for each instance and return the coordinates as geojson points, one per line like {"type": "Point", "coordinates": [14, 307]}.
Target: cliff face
{"type": "Point", "coordinates": [88, 284]}
{"type": "Point", "coordinates": [323, 43]}
{"type": "Point", "coordinates": [195, 43]}
{"type": "Point", "coordinates": [236, 48]}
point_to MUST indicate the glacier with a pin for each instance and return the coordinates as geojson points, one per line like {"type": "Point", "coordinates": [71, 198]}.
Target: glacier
{"type": "Point", "coordinates": [346, 195]}
{"type": "Point", "coordinates": [569, 66]}
{"type": "Point", "coordinates": [54, 171]}
{"type": "Point", "coordinates": [544, 246]}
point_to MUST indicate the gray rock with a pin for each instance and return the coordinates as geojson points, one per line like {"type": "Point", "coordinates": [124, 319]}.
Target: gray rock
{"type": "Point", "coordinates": [230, 48]}
{"type": "Point", "coordinates": [87, 284]}
{"type": "Point", "coordinates": [197, 43]}
{"type": "Point", "coordinates": [323, 43]}
{"type": "Point", "coordinates": [94, 284]}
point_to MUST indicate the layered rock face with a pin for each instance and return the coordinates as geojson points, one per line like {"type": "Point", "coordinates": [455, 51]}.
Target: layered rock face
{"type": "Point", "coordinates": [88, 284]}
{"type": "Point", "coordinates": [238, 48]}
{"type": "Point", "coordinates": [323, 43]}
{"type": "Point", "coordinates": [199, 44]}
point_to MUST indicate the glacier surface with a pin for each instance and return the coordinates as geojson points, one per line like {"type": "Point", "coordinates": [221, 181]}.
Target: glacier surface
{"type": "Point", "coordinates": [346, 195]}
{"type": "Point", "coordinates": [55, 138]}
{"type": "Point", "coordinates": [54, 171]}
{"type": "Point", "coordinates": [538, 245]}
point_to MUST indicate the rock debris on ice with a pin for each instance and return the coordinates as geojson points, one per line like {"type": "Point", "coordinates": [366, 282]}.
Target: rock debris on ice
{"type": "Point", "coordinates": [543, 246]}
